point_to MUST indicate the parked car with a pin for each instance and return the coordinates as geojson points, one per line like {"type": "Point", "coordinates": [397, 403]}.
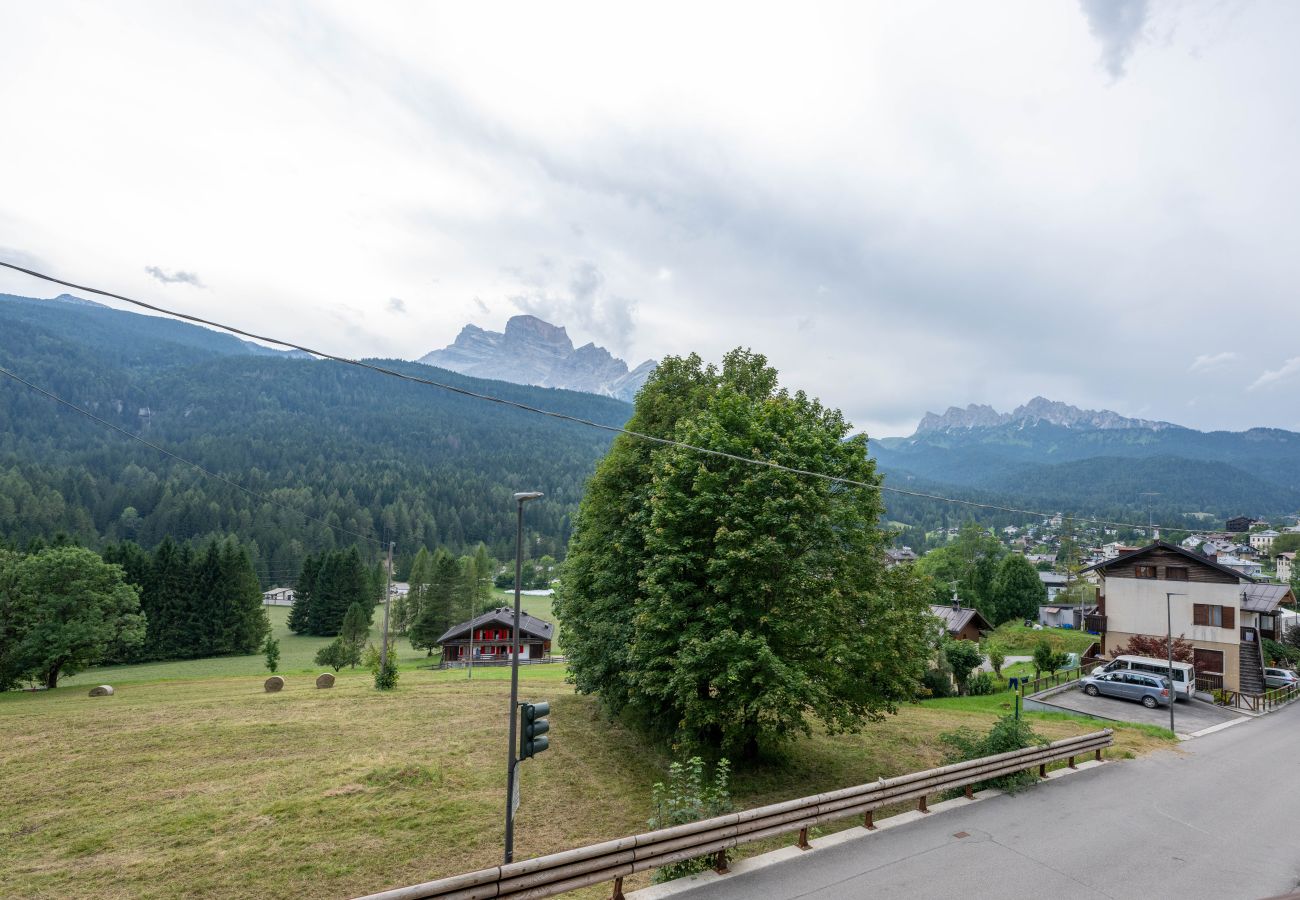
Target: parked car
{"type": "Point", "coordinates": [1184, 675]}
{"type": "Point", "coordinates": [1276, 678]}
{"type": "Point", "coordinates": [1149, 690]}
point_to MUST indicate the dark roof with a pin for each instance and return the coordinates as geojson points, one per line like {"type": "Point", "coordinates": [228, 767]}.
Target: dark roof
{"type": "Point", "coordinates": [957, 618]}
{"type": "Point", "coordinates": [1263, 597]}
{"type": "Point", "coordinates": [529, 626]}
{"type": "Point", "coordinates": [1165, 545]}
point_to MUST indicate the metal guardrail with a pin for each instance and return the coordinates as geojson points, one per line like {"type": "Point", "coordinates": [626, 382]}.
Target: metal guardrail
{"type": "Point", "coordinates": [556, 873]}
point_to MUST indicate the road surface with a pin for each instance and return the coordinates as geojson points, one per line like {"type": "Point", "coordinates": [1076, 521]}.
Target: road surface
{"type": "Point", "coordinates": [1215, 820]}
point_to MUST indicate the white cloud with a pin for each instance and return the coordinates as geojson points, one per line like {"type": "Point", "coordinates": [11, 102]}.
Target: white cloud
{"type": "Point", "coordinates": [1288, 369]}
{"type": "Point", "coordinates": [1208, 361]}
{"type": "Point", "coordinates": [968, 214]}
{"type": "Point", "coordinates": [176, 277]}
{"type": "Point", "coordinates": [1117, 25]}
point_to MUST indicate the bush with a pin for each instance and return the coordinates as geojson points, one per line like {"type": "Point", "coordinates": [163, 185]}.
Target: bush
{"type": "Point", "coordinates": [981, 685]}
{"type": "Point", "coordinates": [1008, 733]}
{"type": "Point", "coordinates": [938, 682]}
{"type": "Point", "coordinates": [687, 798]}
{"type": "Point", "coordinates": [385, 675]}
{"type": "Point", "coordinates": [997, 658]}
{"type": "Point", "coordinates": [1279, 654]}
{"type": "Point", "coordinates": [336, 654]}
{"type": "Point", "coordinates": [963, 656]}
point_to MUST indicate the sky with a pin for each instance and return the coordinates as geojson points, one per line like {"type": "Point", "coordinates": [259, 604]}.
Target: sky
{"type": "Point", "coordinates": [905, 206]}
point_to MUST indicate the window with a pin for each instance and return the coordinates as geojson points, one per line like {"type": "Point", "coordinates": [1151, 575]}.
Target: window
{"type": "Point", "coordinates": [1144, 571]}
{"type": "Point", "coordinates": [1209, 660]}
{"type": "Point", "coordinates": [1176, 573]}
{"type": "Point", "coordinates": [1214, 616]}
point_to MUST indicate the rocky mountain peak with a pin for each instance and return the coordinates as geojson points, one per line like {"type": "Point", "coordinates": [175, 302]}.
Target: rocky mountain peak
{"type": "Point", "coordinates": [533, 351]}
{"type": "Point", "coordinates": [1036, 411]}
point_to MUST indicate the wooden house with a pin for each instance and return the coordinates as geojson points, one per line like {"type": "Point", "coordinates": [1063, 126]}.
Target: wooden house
{"type": "Point", "coordinates": [487, 638]}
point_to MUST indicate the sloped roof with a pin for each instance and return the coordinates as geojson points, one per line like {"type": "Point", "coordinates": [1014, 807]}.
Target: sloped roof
{"type": "Point", "coordinates": [1264, 597]}
{"type": "Point", "coordinates": [1165, 545]}
{"type": "Point", "coordinates": [957, 618]}
{"type": "Point", "coordinates": [529, 626]}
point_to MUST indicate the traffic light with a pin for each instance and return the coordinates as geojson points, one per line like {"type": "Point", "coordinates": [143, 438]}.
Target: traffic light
{"type": "Point", "coordinates": [533, 728]}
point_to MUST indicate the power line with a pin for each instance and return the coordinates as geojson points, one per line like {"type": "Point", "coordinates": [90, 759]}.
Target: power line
{"type": "Point", "coordinates": [135, 437]}
{"type": "Point", "coordinates": [577, 420]}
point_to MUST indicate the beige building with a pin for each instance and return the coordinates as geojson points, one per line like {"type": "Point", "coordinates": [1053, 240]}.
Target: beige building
{"type": "Point", "coordinates": [1220, 611]}
{"type": "Point", "coordinates": [1285, 565]}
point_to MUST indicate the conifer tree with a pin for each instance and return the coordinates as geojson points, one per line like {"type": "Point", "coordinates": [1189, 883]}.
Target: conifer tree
{"type": "Point", "coordinates": [354, 631]}
{"type": "Point", "coordinates": [300, 614]}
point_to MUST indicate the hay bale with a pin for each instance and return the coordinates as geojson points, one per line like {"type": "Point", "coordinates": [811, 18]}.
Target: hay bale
{"type": "Point", "coordinates": [274, 684]}
{"type": "Point", "coordinates": [104, 690]}
{"type": "Point", "coordinates": [325, 680]}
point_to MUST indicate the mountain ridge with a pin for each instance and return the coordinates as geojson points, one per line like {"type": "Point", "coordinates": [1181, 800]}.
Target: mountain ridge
{"type": "Point", "coordinates": [532, 351]}
{"type": "Point", "coordinates": [1037, 410]}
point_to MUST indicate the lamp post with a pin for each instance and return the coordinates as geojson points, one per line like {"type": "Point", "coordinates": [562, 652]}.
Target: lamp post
{"type": "Point", "coordinates": [388, 593]}
{"type": "Point", "coordinates": [1169, 621]}
{"type": "Point", "coordinates": [512, 760]}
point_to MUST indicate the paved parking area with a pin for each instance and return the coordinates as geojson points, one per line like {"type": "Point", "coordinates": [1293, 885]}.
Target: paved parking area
{"type": "Point", "coordinates": [1190, 716]}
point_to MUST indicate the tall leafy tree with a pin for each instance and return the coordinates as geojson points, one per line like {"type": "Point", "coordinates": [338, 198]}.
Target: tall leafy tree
{"type": "Point", "coordinates": [754, 600]}
{"type": "Point", "coordinates": [968, 565]}
{"type": "Point", "coordinates": [64, 609]}
{"type": "Point", "coordinates": [1017, 590]}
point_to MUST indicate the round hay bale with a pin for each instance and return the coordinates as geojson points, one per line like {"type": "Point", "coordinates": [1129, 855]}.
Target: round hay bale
{"type": "Point", "coordinates": [104, 690]}
{"type": "Point", "coordinates": [325, 680]}
{"type": "Point", "coordinates": [274, 684]}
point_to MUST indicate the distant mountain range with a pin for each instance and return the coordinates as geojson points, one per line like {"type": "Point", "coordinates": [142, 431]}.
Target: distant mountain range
{"type": "Point", "coordinates": [1036, 411]}
{"type": "Point", "coordinates": [531, 351]}
{"type": "Point", "coordinates": [1047, 453]}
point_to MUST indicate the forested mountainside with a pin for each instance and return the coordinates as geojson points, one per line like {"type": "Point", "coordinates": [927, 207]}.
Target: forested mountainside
{"type": "Point", "coordinates": [1124, 473]}
{"type": "Point", "coordinates": [386, 459]}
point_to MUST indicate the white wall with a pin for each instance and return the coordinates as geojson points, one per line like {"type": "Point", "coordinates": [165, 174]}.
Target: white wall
{"type": "Point", "coordinates": [1137, 606]}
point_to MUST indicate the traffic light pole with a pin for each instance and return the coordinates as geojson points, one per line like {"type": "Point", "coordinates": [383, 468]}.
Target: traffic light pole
{"type": "Point", "coordinates": [512, 759]}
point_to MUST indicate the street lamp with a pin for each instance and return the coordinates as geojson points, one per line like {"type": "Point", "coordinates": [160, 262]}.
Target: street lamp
{"type": "Point", "coordinates": [520, 498]}
{"type": "Point", "coordinates": [1169, 620]}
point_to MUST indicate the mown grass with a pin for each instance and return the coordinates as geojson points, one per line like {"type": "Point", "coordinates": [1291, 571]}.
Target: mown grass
{"type": "Point", "coordinates": [209, 787]}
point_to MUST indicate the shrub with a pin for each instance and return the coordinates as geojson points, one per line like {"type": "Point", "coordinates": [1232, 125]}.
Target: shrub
{"type": "Point", "coordinates": [1279, 654]}
{"type": "Point", "coordinates": [272, 650]}
{"type": "Point", "coordinates": [1156, 647]}
{"type": "Point", "coordinates": [688, 798]}
{"type": "Point", "coordinates": [981, 685]}
{"type": "Point", "coordinates": [336, 654]}
{"type": "Point", "coordinates": [963, 656]}
{"type": "Point", "coordinates": [938, 682]}
{"type": "Point", "coordinates": [1008, 733]}
{"type": "Point", "coordinates": [997, 658]}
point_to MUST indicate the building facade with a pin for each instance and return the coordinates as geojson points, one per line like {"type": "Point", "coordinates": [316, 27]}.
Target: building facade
{"type": "Point", "coordinates": [485, 639]}
{"type": "Point", "coordinates": [1206, 602]}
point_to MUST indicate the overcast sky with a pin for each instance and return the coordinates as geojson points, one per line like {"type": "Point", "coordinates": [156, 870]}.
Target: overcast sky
{"type": "Point", "coordinates": [906, 206]}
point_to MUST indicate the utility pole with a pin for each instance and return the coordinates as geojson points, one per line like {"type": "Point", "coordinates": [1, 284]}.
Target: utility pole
{"type": "Point", "coordinates": [1169, 617]}
{"type": "Point", "coordinates": [512, 761]}
{"type": "Point", "coordinates": [1151, 530]}
{"type": "Point", "coordinates": [388, 595]}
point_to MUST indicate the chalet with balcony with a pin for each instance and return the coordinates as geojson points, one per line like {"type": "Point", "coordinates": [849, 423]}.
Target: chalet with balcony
{"type": "Point", "coordinates": [1220, 611]}
{"type": "Point", "coordinates": [486, 639]}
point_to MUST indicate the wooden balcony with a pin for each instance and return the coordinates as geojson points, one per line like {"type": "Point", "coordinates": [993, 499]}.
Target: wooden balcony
{"type": "Point", "coordinates": [1094, 622]}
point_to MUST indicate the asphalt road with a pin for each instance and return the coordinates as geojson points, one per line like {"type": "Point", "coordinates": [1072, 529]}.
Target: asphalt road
{"type": "Point", "coordinates": [1189, 715]}
{"type": "Point", "coordinates": [1215, 820]}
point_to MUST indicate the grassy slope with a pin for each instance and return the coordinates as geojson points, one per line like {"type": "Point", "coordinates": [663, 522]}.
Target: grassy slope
{"type": "Point", "coordinates": [212, 788]}
{"type": "Point", "coordinates": [1017, 640]}
{"type": "Point", "coordinates": [296, 653]}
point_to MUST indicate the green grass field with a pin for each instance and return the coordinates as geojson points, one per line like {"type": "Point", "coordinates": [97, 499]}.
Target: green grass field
{"type": "Point", "coordinates": [297, 652]}
{"type": "Point", "coordinates": [205, 786]}
{"type": "Point", "coordinates": [1019, 640]}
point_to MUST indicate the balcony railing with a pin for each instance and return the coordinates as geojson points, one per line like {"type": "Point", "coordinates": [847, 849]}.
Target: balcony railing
{"type": "Point", "coordinates": [1094, 622]}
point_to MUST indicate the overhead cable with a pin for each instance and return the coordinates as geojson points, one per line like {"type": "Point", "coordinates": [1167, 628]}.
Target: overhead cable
{"type": "Point", "coordinates": [565, 417]}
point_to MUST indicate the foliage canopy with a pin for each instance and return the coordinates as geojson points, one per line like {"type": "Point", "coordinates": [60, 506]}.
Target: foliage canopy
{"type": "Point", "coordinates": [725, 604]}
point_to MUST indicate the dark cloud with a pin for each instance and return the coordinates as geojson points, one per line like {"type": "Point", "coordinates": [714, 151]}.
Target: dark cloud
{"type": "Point", "coordinates": [1117, 25]}
{"type": "Point", "coordinates": [397, 305]}
{"type": "Point", "coordinates": [176, 277]}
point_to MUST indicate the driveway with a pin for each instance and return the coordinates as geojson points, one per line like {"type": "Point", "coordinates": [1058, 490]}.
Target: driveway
{"type": "Point", "coordinates": [1210, 820]}
{"type": "Point", "coordinates": [1190, 716]}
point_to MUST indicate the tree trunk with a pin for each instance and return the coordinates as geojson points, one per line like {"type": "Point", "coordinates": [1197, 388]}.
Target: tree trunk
{"type": "Point", "coordinates": [52, 676]}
